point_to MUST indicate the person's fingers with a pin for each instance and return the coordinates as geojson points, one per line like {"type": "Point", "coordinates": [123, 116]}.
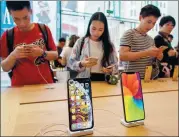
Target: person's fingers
{"type": "Point", "coordinates": [22, 55]}
{"type": "Point", "coordinates": [28, 51]}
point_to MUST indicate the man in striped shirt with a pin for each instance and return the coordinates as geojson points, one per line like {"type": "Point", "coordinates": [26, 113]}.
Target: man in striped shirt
{"type": "Point", "coordinates": [137, 49]}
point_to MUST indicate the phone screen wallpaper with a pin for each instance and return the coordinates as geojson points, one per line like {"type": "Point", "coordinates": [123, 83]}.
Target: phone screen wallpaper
{"type": "Point", "coordinates": [81, 115]}
{"type": "Point", "coordinates": [132, 97]}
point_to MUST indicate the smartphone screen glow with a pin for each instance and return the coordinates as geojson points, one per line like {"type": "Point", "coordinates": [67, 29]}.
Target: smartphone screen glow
{"type": "Point", "coordinates": [132, 97]}
{"type": "Point", "coordinates": [80, 104]}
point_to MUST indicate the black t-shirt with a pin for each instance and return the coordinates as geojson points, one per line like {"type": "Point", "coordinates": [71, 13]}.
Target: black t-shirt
{"type": "Point", "coordinates": [59, 50]}
{"type": "Point", "coordinates": [161, 40]}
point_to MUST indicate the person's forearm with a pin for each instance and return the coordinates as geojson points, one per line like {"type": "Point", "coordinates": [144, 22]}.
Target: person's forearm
{"type": "Point", "coordinates": [8, 63]}
{"type": "Point", "coordinates": [51, 55]}
{"type": "Point", "coordinates": [132, 56]}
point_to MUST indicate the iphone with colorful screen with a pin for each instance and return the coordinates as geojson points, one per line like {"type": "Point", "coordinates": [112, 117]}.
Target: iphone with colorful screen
{"type": "Point", "coordinates": [133, 104]}
{"type": "Point", "coordinates": [80, 106]}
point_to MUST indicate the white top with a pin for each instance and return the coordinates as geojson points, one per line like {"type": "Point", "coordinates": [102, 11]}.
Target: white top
{"type": "Point", "coordinates": [66, 53]}
{"type": "Point", "coordinates": [96, 50]}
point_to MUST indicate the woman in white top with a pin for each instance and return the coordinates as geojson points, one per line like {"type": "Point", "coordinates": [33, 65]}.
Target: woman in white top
{"type": "Point", "coordinates": [94, 55]}
{"type": "Point", "coordinates": [64, 56]}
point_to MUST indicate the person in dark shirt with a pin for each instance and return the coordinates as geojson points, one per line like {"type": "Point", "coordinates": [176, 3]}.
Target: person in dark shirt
{"type": "Point", "coordinates": [61, 44]}
{"type": "Point", "coordinates": [177, 49]}
{"type": "Point", "coordinates": [167, 24]}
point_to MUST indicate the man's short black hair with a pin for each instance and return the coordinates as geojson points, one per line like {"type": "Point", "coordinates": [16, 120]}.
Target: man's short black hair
{"type": "Point", "coordinates": [170, 35]}
{"type": "Point", "coordinates": [167, 19]}
{"type": "Point", "coordinates": [62, 40]}
{"type": "Point", "coordinates": [150, 10]}
{"type": "Point", "coordinates": [17, 5]}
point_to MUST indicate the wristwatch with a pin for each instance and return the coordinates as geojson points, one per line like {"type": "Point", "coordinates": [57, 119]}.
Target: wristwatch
{"type": "Point", "coordinates": [44, 55]}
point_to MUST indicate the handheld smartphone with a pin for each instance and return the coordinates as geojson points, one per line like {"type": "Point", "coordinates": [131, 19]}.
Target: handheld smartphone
{"type": "Point", "coordinates": [80, 108]}
{"type": "Point", "coordinates": [93, 59]}
{"type": "Point", "coordinates": [132, 97]}
{"type": "Point", "coordinates": [148, 73]}
{"type": "Point", "coordinates": [28, 46]}
{"type": "Point", "coordinates": [109, 67]}
{"type": "Point", "coordinates": [175, 73]}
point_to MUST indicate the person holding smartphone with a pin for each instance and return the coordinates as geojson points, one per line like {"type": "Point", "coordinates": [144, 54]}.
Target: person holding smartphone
{"type": "Point", "coordinates": [167, 24]}
{"type": "Point", "coordinates": [137, 48]}
{"type": "Point", "coordinates": [94, 55]}
{"type": "Point", "coordinates": [29, 57]}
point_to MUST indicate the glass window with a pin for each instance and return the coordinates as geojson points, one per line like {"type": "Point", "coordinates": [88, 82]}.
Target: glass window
{"type": "Point", "coordinates": [161, 4]}
{"type": "Point", "coordinates": [116, 8]}
{"type": "Point", "coordinates": [72, 24]}
{"type": "Point", "coordinates": [46, 12]}
{"type": "Point", "coordinates": [115, 32]}
{"type": "Point", "coordinates": [135, 14]}
{"type": "Point", "coordinates": [131, 12]}
{"type": "Point", "coordinates": [83, 6]}
{"type": "Point", "coordinates": [69, 5]}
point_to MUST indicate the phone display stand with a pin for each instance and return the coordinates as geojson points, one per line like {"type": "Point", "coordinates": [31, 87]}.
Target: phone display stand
{"type": "Point", "coordinates": [147, 81]}
{"type": "Point", "coordinates": [80, 133]}
{"type": "Point", "coordinates": [132, 124]}
{"type": "Point", "coordinates": [148, 74]}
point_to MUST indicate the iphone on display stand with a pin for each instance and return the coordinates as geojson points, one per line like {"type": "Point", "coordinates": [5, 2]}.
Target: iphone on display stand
{"type": "Point", "coordinates": [80, 108]}
{"type": "Point", "coordinates": [132, 99]}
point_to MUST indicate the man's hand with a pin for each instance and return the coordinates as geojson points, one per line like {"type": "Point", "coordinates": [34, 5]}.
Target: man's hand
{"type": "Point", "coordinates": [153, 52]}
{"type": "Point", "coordinates": [171, 53]}
{"type": "Point", "coordinates": [160, 56]}
{"type": "Point", "coordinates": [34, 51]}
{"type": "Point", "coordinates": [20, 52]}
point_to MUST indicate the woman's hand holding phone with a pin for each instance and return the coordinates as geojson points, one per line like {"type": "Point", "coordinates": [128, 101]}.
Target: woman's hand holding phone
{"type": "Point", "coordinates": [89, 62]}
{"type": "Point", "coordinates": [108, 69]}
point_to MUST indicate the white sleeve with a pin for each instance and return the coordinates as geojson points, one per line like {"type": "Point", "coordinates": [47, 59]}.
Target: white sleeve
{"type": "Point", "coordinates": [63, 53]}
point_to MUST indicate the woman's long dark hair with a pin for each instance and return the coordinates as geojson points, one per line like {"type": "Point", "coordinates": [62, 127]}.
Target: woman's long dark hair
{"type": "Point", "coordinates": [107, 45]}
{"type": "Point", "coordinates": [72, 41]}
